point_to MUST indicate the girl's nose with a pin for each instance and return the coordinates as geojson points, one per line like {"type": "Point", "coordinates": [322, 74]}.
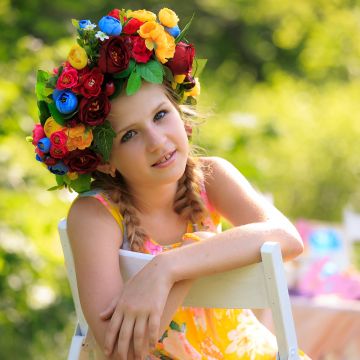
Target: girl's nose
{"type": "Point", "coordinates": [155, 139]}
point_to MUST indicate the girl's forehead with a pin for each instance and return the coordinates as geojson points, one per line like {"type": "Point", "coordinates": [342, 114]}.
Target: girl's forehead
{"type": "Point", "coordinates": [132, 108]}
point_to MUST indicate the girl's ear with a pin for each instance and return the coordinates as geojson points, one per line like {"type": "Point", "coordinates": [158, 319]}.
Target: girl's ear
{"type": "Point", "coordinates": [107, 168]}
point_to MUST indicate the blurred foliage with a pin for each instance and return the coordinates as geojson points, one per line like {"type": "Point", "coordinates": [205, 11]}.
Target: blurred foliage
{"type": "Point", "coordinates": [285, 80]}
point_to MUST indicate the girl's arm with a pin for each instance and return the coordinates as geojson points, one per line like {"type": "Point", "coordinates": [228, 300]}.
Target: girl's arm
{"type": "Point", "coordinates": [255, 221]}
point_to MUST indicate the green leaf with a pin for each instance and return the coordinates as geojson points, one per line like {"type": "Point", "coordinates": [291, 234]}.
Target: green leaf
{"type": "Point", "coordinates": [60, 179]}
{"type": "Point", "coordinates": [175, 326]}
{"type": "Point", "coordinates": [133, 84]}
{"type": "Point", "coordinates": [152, 71]}
{"type": "Point", "coordinates": [103, 139]}
{"type": "Point", "coordinates": [81, 184]}
{"type": "Point", "coordinates": [199, 67]}
{"type": "Point", "coordinates": [44, 112]}
{"type": "Point", "coordinates": [126, 72]}
{"type": "Point", "coordinates": [55, 113]}
{"type": "Point", "coordinates": [168, 74]}
{"type": "Point", "coordinates": [57, 187]}
{"type": "Point", "coordinates": [41, 85]}
{"type": "Point", "coordinates": [184, 30]}
{"type": "Point", "coordinates": [75, 23]}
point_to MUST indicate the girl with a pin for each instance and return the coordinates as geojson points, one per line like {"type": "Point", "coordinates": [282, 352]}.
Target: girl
{"type": "Point", "coordinates": [117, 113]}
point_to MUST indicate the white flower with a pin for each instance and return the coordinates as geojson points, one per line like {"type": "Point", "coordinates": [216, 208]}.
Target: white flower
{"type": "Point", "coordinates": [101, 36]}
{"type": "Point", "coordinates": [90, 27]}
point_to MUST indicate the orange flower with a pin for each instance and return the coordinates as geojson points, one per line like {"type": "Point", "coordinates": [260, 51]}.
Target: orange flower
{"type": "Point", "coordinates": [165, 47]}
{"type": "Point", "coordinates": [78, 138]}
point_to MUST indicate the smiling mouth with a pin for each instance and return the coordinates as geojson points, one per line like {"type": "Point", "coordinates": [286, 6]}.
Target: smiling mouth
{"type": "Point", "coordinates": [165, 158]}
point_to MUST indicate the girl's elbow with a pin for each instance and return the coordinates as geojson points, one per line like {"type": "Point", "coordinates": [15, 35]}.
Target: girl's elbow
{"type": "Point", "coordinates": [294, 247]}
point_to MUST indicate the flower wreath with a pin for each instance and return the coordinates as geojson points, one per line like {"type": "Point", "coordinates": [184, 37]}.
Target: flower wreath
{"type": "Point", "coordinates": [73, 136]}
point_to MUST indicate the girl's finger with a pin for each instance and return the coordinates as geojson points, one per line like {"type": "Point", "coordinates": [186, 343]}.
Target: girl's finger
{"type": "Point", "coordinates": [154, 326]}
{"type": "Point", "coordinates": [111, 333]}
{"type": "Point", "coordinates": [125, 334]}
{"type": "Point", "coordinates": [139, 335]}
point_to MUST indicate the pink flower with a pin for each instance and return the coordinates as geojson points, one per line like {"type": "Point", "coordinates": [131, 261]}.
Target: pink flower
{"type": "Point", "coordinates": [38, 133]}
{"type": "Point", "coordinates": [67, 79]}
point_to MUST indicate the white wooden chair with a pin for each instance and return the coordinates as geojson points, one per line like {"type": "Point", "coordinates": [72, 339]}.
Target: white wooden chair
{"type": "Point", "coordinates": [257, 286]}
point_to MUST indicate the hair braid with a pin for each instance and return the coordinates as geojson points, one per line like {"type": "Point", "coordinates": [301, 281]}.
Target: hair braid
{"type": "Point", "coordinates": [188, 202]}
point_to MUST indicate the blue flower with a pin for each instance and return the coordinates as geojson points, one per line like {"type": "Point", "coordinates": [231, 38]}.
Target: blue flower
{"type": "Point", "coordinates": [66, 101]}
{"type": "Point", "coordinates": [174, 31]}
{"type": "Point", "coordinates": [39, 158]}
{"type": "Point", "coordinates": [59, 168]}
{"type": "Point", "coordinates": [110, 26]}
{"type": "Point", "coordinates": [44, 145]}
{"type": "Point", "coordinates": [84, 23]}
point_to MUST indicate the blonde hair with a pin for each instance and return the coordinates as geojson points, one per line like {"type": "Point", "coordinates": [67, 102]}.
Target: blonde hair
{"type": "Point", "coordinates": [188, 202]}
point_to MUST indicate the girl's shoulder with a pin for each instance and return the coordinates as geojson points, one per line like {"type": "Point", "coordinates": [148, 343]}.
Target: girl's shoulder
{"type": "Point", "coordinates": [93, 211]}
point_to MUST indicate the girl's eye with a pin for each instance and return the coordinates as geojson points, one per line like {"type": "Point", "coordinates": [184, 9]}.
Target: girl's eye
{"type": "Point", "coordinates": [160, 115]}
{"type": "Point", "coordinates": [128, 136]}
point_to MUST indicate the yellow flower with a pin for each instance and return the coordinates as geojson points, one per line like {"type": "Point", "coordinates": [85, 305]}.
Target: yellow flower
{"type": "Point", "coordinates": [168, 18]}
{"type": "Point", "coordinates": [150, 30]}
{"type": "Point", "coordinates": [179, 79]}
{"type": "Point", "coordinates": [195, 91]}
{"type": "Point", "coordinates": [143, 15]}
{"type": "Point", "coordinates": [51, 126]}
{"type": "Point", "coordinates": [77, 57]}
{"type": "Point", "coordinates": [165, 47]}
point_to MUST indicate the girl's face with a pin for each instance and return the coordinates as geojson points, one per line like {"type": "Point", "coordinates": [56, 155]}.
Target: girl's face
{"type": "Point", "coordinates": [151, 146]}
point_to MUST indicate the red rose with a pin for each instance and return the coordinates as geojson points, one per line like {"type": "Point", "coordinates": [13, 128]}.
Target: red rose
{"type": "Point", "coordinates": [49, 161]}
{"type": "Point", "coordinates": [58, 138]}
{"type": "Point", "coordinates": [114, 55]}
{"type": "Point", "coordinates": [115, 13]}
{"type": "Point", "coordinates": [181, 63]}
{"type": "Point", "coordinates": [67, 79]}
{"type": "Point", "coordinates": [58, 151]}
{"type": "Point", "coordinates": [91, 82]}
{"type": "Point", "coordinates": [132, 26]}
{"type": "Point", "coordinates": [94, 111]}
{"type": "Point", "coordinates": [82, 161]}
{"type": "Point", "coordinates": [139, 50]}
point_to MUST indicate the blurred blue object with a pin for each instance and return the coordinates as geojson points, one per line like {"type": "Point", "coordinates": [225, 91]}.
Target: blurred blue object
{"type": "Point", "coordinates": [324, 241]}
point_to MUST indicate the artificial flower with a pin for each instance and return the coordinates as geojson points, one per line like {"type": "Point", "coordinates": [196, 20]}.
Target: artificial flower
{"type": "Point", "coordinates": [44, 145]}
{"type": "Point", "coordinates": [168, 17]}
{"type": "Point", "coordinates": [195, 91]}
{"type": "Point", "coordinates": [51, 126]}
{"type": "Point", "coordinates": [67, 79]}
{"type": "Point", "coordinates": [83, 24]}
{"type": "Point", "coordinates": [91, 82]}
{"type": "Point", "coordinates": [94, 111]}
{"type": "Point", "coordinates": [165, 47]}
{"type": "Point", "coordinates": [77, 57]}
{"type": "Point", "coordinates": [150, 30]}
{"type": "Point", "coordinates": [37, 134]}
{"type": "Point", "coordinates": [58, 151]}
{"type": "Point", "coordinates": [58, 138]}
{"type": "Point", "coordinates": [181, 63]}
{"type": "Point", "coordinates": [110, 25]}
{"type": "Point", "coordinates": [115, 13]}
{"type": "Point", "coordinates": [139, 50]}
{"type": "Point", "coordinates": [82, 161]}
{"type": "Point", "coordinates": [174, 31]}
{"type": "Point", "coordinates": [101, 36]}
{"type": "Point", "coordinates": [114, 55]}
{"type": "Point", "coordinates": [66, 102]}
{"type": "Point", "coordinates": [59, 168]}
{"type": "Point", "coordinates": [79, 137]}
{"type": "Point", "coordinates": [142, 15]}
{"type": "Point", "coordinates": [132, 26]}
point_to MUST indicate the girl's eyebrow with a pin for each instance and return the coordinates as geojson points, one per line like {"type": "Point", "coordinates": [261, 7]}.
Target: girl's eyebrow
{"type": "Point", "coordinates": [158, 107]}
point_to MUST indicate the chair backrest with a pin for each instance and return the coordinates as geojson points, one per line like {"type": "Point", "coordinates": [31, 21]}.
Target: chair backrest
{"type": "Point", "coordinates": [257, 286]}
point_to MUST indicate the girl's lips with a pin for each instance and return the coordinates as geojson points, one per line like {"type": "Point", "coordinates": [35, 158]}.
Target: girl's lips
{"type": "Point", "coordinates": [165, 160]}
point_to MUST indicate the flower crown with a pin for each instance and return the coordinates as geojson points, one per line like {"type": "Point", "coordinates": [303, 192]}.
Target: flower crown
{"type": "Point", "coordinates": [73, 136]}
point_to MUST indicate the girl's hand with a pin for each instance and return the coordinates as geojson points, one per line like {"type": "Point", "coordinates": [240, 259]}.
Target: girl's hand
{"type": "Point", "coordinates": [135, 315]}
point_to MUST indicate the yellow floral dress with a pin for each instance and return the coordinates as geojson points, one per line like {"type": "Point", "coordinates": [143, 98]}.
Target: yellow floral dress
{"type": "Point", "coordinates": [207, 334]}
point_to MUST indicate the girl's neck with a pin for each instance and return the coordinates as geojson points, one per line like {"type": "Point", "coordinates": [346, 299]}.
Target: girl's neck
{"type": "Point", "coordinates": [154, 199]}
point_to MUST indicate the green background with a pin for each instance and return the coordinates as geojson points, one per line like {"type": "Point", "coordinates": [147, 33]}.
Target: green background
{"type": "Point", "coordinates": [281, 88]}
